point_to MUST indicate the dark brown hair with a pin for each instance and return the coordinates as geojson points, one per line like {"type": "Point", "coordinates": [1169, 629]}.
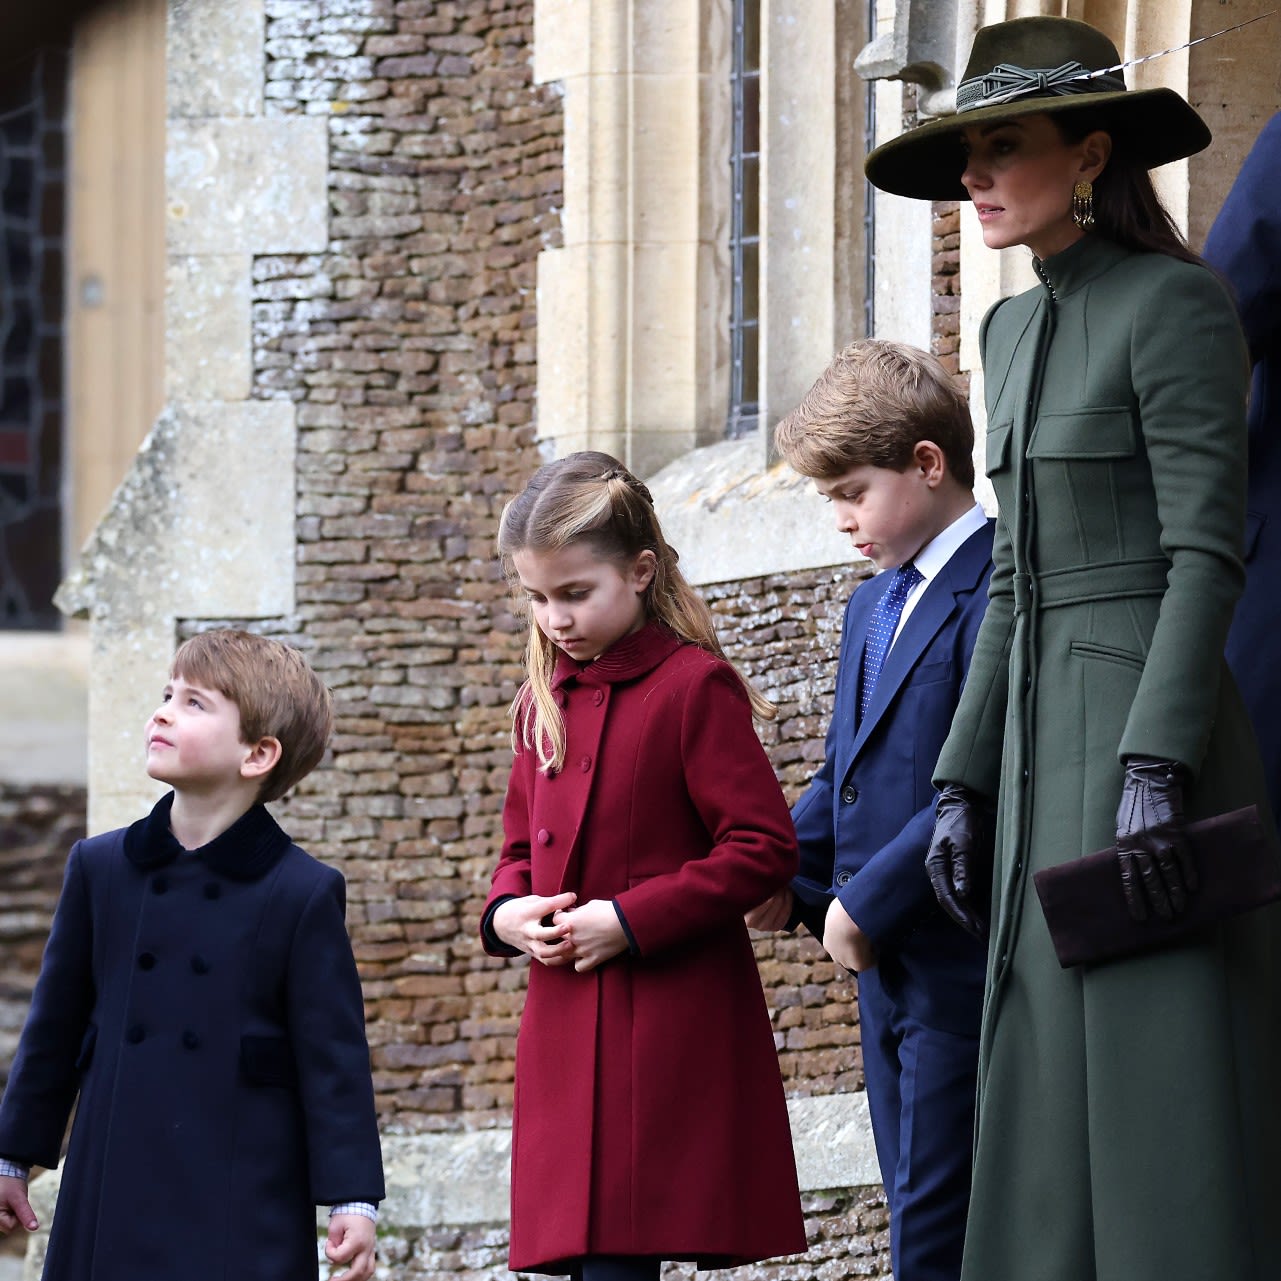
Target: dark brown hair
{"type": "Point", "coordinates": [1126, 206]}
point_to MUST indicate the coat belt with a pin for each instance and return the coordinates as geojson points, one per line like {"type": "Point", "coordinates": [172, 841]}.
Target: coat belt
{"type": "Point", "coordinates": [1111, 580]}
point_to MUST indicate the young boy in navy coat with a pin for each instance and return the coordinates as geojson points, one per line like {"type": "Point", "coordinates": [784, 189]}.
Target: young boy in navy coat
{"type": "Point", "coordinates": [887, 438]}
{"type": "Point", "coordinates": [199, 1003]}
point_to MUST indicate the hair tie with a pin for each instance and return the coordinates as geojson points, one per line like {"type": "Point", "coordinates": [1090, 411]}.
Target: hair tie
{"type": "Point", "coordinates": [636, 486]}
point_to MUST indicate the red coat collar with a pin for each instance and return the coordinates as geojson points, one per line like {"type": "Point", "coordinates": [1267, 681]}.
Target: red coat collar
{"type": "Point", "coordinates": [626, 660]}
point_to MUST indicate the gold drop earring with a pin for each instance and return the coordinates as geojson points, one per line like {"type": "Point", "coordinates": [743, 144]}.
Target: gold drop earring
{"type": "Point", "coordinates": [1083, 204]}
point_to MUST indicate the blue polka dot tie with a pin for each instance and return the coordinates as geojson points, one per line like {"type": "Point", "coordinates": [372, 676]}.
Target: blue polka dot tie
{"type": "Point", "coordinates": [880, 631]}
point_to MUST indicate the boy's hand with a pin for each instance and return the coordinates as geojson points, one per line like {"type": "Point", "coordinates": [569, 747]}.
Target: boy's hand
{"type": "Point", "coordinates": [351, 1241]}
{"type": "Point", "coordinates": [594, 933]}
{"type": "Point", "coordinates": [15, 1209]}
{"type": "Point", "coordinates": [846, 944]}
{"type": "Point", "coordinates": [519, 923]}
{"type": "Point", "coordinates": [774, 913]}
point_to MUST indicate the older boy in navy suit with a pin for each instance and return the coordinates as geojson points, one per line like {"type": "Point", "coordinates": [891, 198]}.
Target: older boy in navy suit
{"type": "Point", "coordinates": [887, 437]}
{"type": "Point", "coordinates": [198, 1002]}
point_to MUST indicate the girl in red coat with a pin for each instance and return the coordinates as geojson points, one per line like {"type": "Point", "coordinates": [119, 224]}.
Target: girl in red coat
{"type": "Point", "coordinates": [642, 820]}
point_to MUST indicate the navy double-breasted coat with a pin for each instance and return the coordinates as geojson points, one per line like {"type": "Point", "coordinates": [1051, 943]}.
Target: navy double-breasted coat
{"type": "Point", "coordinates": [204, 1013]}
{"type": "Point", "coordinates": [649, 1110]}
{"type": "Point", "coordinates": [1245, 245]}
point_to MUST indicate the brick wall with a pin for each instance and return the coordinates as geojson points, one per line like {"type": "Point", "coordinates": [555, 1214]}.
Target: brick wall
{"type": "Point", "coordinates": [409, 348]}
{"type": "Point", "coordinates": [38, 826]}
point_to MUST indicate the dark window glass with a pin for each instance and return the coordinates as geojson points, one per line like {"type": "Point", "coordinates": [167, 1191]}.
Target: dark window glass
{"type": "Point", "coordinates": [744, 245]}
{"type": "Point", "coordinates": [32, 223]}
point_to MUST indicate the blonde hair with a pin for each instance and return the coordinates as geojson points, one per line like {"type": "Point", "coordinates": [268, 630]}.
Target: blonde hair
{"type": "Point", "coordinates": [872, 405]}
{"type": "Point", "coordinates": [276, 691]}
{"type": "Point", "coordinates": [592, 498]}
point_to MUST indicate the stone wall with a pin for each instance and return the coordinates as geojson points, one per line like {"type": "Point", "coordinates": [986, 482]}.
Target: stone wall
{"type": "Point", "coordinates": [38, 826]}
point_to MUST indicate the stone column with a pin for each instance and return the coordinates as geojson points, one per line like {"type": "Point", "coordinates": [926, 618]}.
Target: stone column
{"type": "Point", "coordinates": [203, 524]}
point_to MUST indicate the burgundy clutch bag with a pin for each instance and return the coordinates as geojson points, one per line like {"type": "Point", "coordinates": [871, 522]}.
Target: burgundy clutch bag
{"type": "Point", "coordinates": [1238, 861]}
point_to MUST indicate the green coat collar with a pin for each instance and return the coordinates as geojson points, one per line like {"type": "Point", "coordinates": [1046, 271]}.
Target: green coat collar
{"type": "Point", "coordinates": [1063, 273]}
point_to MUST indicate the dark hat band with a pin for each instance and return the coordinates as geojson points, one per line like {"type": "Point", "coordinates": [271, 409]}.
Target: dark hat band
{"type": "Point", "coordinates": [1008, 83]}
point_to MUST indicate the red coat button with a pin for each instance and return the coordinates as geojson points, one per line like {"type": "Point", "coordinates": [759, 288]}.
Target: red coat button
{"type": "Point", "coordinates": [598, 697]}
{"type": "Point", "coordinates": [585, 764]}
{"type": "Point", "coordinates": [544, 836]}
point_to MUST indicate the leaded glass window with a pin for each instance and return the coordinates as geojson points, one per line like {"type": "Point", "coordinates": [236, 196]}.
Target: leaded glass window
{"type": "Point", "coordinates": [32, 230]}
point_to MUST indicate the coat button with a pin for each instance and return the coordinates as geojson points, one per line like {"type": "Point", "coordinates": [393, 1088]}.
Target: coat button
{"type": "Point", "coordinates": [199, 965]}
{"type": "Point", "coordinates": [844, 878]}
{"type": "Point", "coordinates": [190, 1040]}
{"type": "Point", "coordinates": [159, 885]}
{"type": "Point", "coordinates": [598, 696]}
{"type": "Point", "coordinates": [585, 764]}
{"type": "Point", "coordinates": [849, 794]}
{"type": "Point", "coordinates": [544, 836]}
{"type": "Point", "coordinates": [212, 890]}
{"type": "Point", "coordinates": [136, 1034]}
{"type": "Point", "coordinates": [147, 961]}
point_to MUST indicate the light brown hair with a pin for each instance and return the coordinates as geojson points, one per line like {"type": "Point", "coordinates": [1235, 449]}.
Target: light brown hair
{"type": "Point", "coordinates": [591, 497]}
{"type": "Point", "coordinates": [276, 691]}
{"type": "Point", "coordinates": [873, 405]}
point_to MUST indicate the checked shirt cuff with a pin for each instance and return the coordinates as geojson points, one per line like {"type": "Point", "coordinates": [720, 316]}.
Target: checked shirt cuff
{"type": "Point", "coordinates": [364, 1208]}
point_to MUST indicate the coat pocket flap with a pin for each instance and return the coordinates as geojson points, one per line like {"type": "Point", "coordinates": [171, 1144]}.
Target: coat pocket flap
{"type": "Point", "coordinates": [1086, 433]}
{"type": "Point", "coordinates": [998, 447]}
{"type": "Point", "coordinates": [267, 1060]}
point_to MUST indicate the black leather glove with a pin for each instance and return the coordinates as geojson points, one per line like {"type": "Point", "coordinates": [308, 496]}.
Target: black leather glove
{"type": "Point", "coordinates": [958, 861]}
{"type": "Point", "coordinates": [1157, 871]}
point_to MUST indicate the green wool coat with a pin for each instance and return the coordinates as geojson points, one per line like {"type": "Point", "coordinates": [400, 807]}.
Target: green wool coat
{"type": "Point", "coordinates": [1129, 1121]}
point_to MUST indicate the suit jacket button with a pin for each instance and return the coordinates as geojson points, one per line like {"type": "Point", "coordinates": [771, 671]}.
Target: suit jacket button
{"type": "Point", "coordinates": [136, 1034]}
{"type": "Point", "coordinates": [147, 961]}
{"type": "Point", "coordinates": [849, 794]}
{"type": "Point", "coordinates": [190, 1040]}
{"type": "Point", "coordinates": [844, 878]}
{"type": "Point", "coordinates": [544, 836]}
{"type": "Point", "coordinates": [199, 965]}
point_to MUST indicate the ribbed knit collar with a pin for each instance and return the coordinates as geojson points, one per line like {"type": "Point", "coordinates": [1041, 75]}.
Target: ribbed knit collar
{"type": "Point", "coordinates": [1063, 273]}
{"type": "Point", "coordinates": [247, 850]}
{"type": "Point", "coordinates": [626, 660]}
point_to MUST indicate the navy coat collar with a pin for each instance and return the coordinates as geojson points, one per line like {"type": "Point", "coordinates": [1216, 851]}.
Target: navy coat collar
{"type": "Point", "coordinates": [246, 851]}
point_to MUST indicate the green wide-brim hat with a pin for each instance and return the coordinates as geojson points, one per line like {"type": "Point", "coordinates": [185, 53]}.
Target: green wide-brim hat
{"type": "Point", "coordinates": [1028, 66]}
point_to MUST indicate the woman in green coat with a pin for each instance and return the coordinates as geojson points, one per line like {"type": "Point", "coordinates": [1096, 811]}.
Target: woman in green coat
{"type": "Point", "coordinates": [1128, 1123]}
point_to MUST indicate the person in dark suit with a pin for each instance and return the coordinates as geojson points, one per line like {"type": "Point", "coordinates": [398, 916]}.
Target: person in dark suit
{"type": "Point", "coordinates": [1245, 246]}
{"type": "Point", "coordinates": [198, 1002]}
{"type": "Point", "coordinates": [887, 437]}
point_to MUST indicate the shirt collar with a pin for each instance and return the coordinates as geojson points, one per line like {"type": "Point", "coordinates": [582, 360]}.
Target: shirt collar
{"type": "Point", "coordinates": [943, 546]}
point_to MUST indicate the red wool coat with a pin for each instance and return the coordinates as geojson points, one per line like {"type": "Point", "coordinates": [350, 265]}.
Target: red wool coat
{"type": "Point", "coordinates": [649, 1112]}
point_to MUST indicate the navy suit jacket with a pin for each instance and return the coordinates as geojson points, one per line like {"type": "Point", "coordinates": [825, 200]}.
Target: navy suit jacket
{"type": "Point", "coordinates": [864, 824]}
{"type": "Point", "coordinates": [1245, 245]}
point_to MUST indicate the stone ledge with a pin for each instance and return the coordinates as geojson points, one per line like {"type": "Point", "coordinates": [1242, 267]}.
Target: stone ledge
{"type": "Point", "coordinates": [731, 518]}
{"type": "Point", "coordinates": [439, 1180]}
